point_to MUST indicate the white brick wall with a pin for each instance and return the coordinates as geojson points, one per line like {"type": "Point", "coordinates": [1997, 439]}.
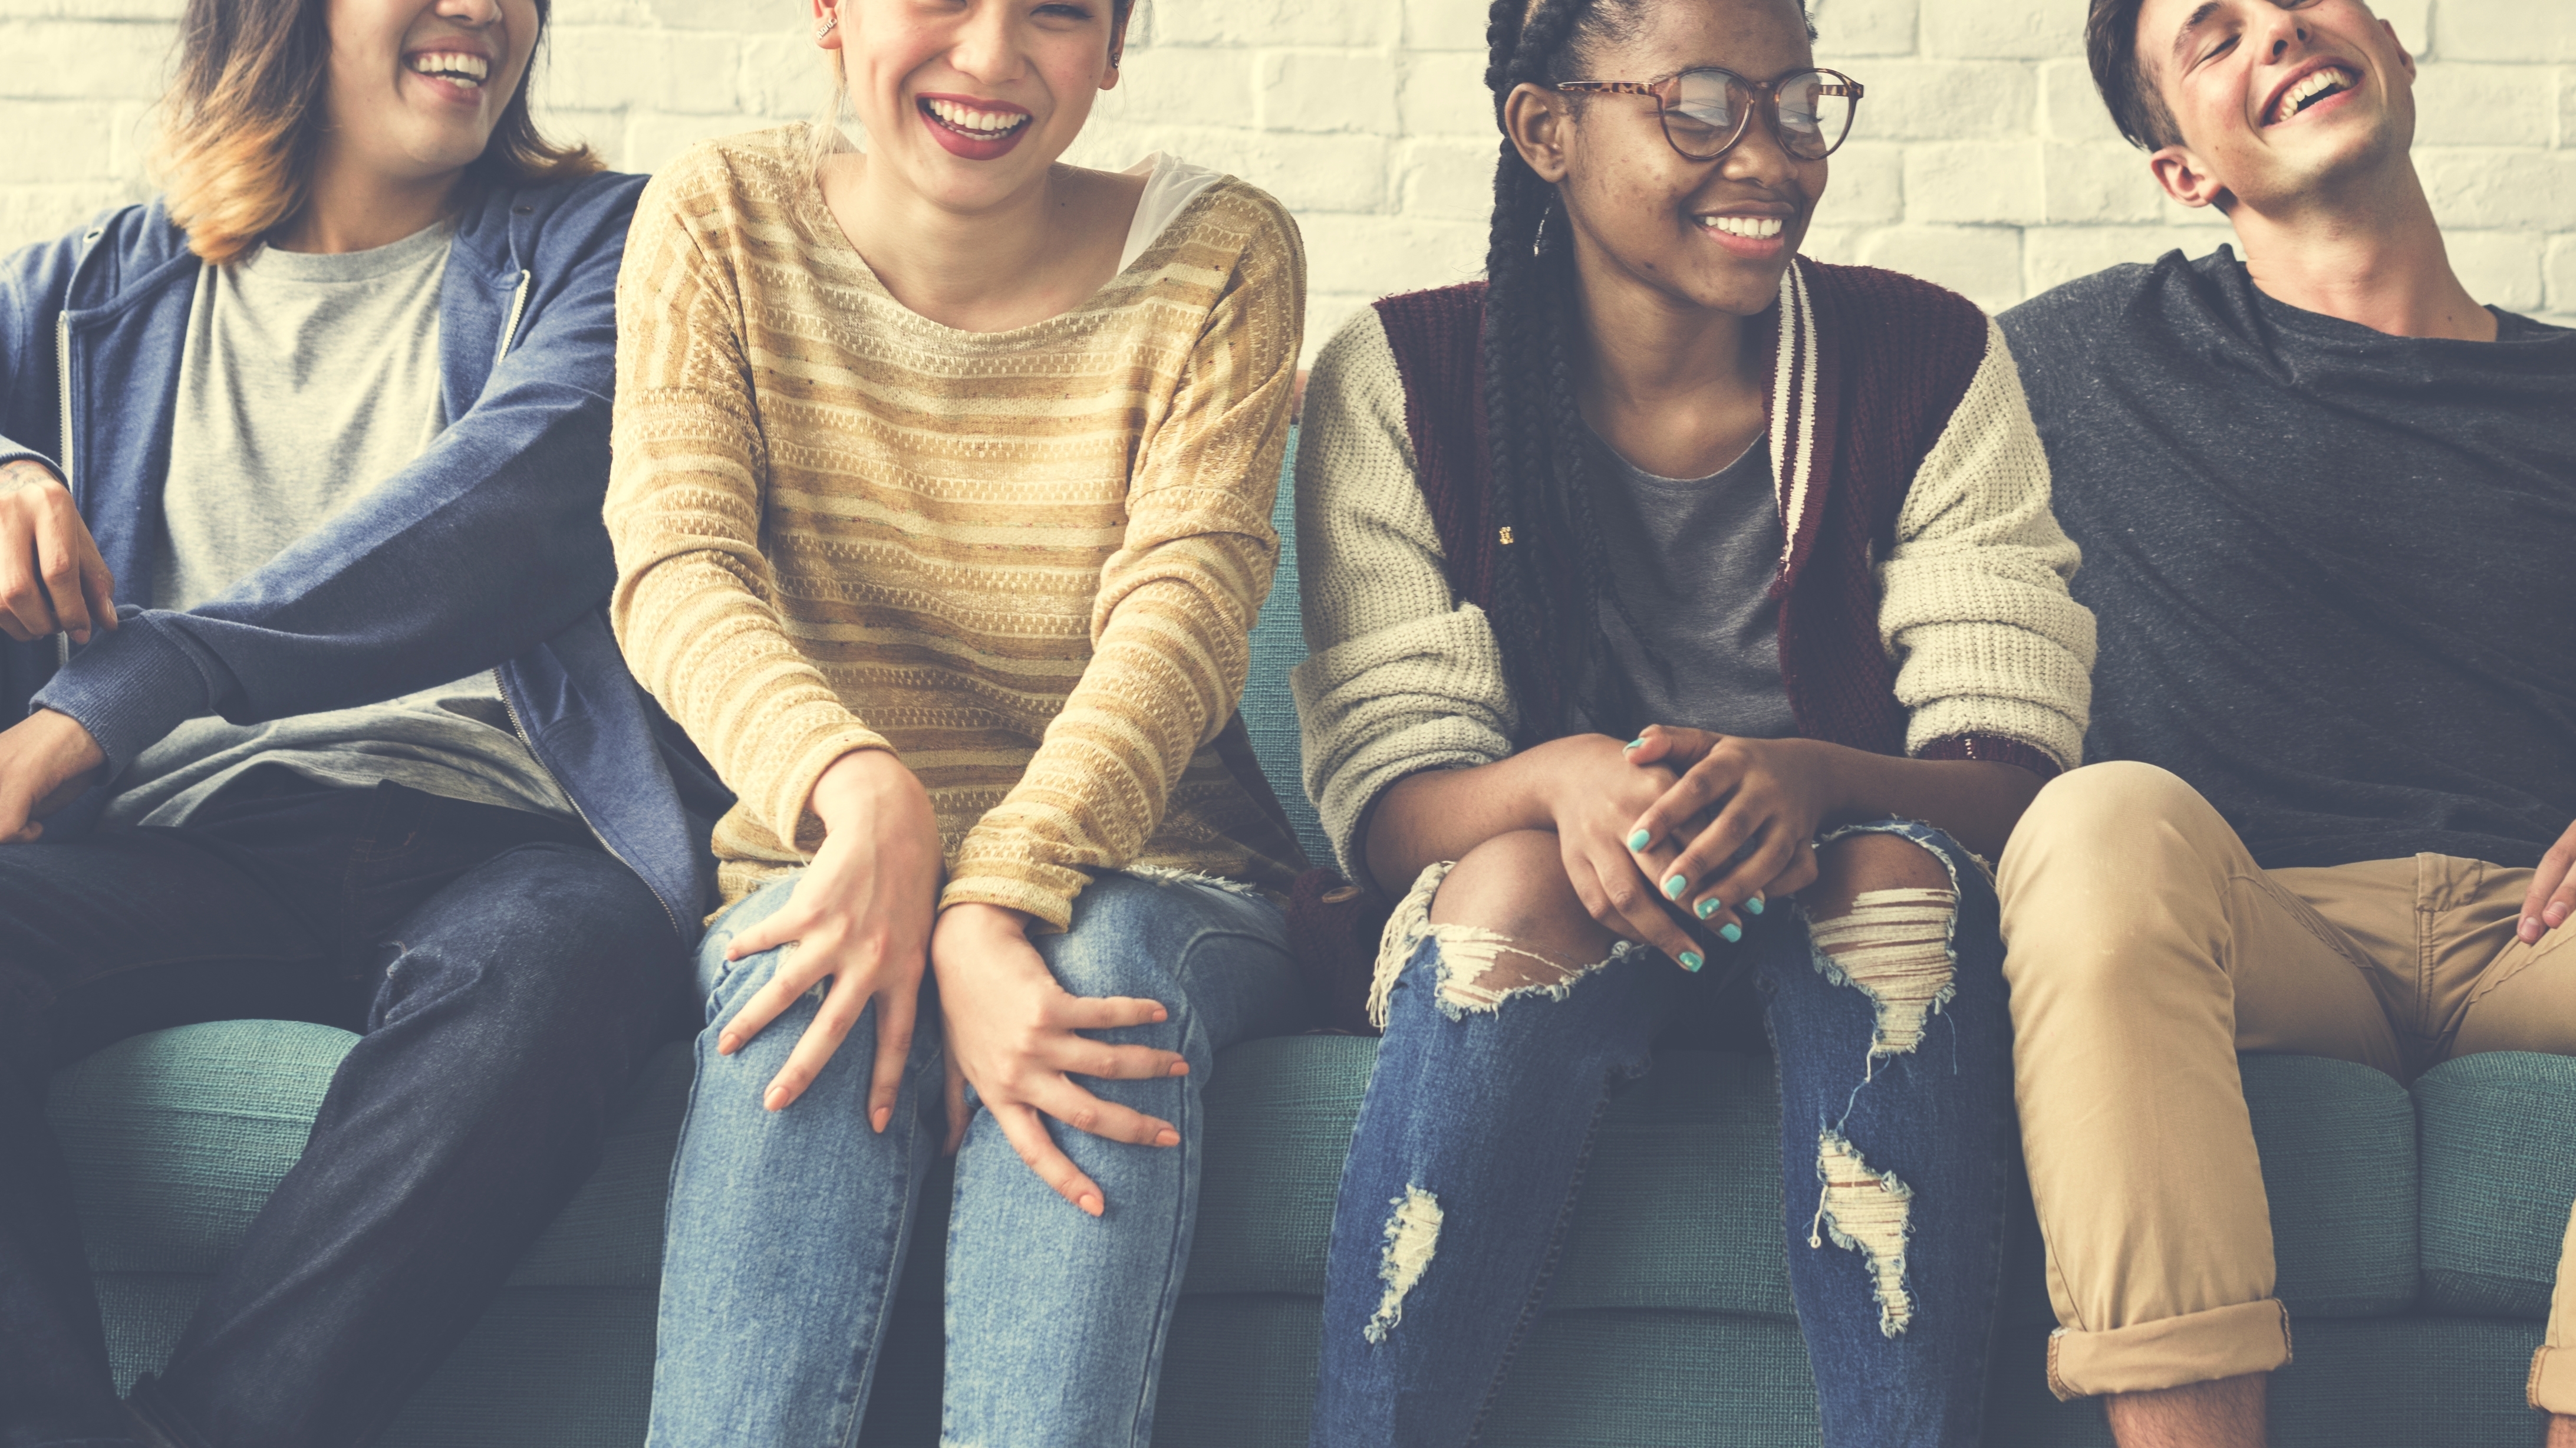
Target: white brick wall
{"type": "Point", "coordinates": [1982, 157]}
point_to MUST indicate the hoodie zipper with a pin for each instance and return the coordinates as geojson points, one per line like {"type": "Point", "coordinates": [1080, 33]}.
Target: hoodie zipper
{"type": "Point", "coordinates": [519, 726]}
{"type": "Point", "coordinates": [63, 380]}
{"type": "Point", "coordinates": [518, 306]}
{"type": "Point", "coordinates": [501, 686]}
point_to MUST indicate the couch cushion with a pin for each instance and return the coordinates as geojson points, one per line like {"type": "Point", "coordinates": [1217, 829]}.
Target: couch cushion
{"type": "Point", "coordinates": [2499, 1173]}
{"type": "Point", "coordinates": [1278, 642]}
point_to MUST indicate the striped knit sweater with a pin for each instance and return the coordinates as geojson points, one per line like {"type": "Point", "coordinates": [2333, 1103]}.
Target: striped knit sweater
{"type": "Point", "coordinates": [1027, 562]}
{"type": "Point", "coordinates": [1924, 600]}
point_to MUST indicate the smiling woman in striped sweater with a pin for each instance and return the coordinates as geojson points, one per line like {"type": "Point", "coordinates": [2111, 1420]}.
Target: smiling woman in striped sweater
{"type": "Point", "coordinates": [1783, 526]}
{"type": "Point", "coordinates": [941, 503]}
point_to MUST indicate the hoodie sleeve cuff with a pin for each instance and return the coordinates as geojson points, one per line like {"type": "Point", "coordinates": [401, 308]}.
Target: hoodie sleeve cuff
{"type": "Point", "coordinates": [128, 688]}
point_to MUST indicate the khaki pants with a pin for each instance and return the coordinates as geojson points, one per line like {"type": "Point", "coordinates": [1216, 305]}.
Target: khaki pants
{"type": "Point", "coordinates": [2145, 948]}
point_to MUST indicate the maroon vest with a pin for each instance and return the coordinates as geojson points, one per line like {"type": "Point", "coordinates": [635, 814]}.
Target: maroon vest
{"type": "Point", "coordinates": [1867, 370]}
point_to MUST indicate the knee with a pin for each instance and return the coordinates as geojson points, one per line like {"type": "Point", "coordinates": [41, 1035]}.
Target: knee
{"type": "Point", "coordinates": [1515, 886]}
{"type": "Point", "coordinates": [2101, 806]}
{"type": "Point", "coordinates": [1507, 921]}
{"type": "Point", "coordinates": [1881, 912]}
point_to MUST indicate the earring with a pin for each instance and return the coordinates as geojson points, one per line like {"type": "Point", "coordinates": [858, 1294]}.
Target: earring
{"type": "Point", "coordinates": [830, 23]}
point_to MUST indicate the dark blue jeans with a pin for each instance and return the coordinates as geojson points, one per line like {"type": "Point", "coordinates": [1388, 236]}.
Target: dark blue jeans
{"type": "Point", "coordinates": [507, 976]}
{"type": "Point", "coordinates": [1896, 1142]}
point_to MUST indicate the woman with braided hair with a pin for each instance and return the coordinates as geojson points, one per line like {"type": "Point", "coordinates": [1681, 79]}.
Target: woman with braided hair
{"type": "Point", "coordinates": [1676, 601]}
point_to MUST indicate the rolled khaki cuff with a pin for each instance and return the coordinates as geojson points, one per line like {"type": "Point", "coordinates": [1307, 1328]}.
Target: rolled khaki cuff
{"type": "Point", "coordinates": [2552, 1385]}
{"type": "Point", "coordinates": [2197, 1347]}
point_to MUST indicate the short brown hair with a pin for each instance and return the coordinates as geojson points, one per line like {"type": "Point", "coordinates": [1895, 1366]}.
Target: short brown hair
{"type": "Point", "coordinates": [2137, 107]}
{"type": "Point", "coordinates": [242, 122]}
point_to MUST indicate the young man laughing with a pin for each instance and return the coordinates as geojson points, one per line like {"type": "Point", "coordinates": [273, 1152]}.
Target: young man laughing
{"type": "Point", "coordinates": [2325, 500]}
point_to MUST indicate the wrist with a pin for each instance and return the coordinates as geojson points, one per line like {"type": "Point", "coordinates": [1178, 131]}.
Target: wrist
{"type": "Point", "coordinates": [864, 788]}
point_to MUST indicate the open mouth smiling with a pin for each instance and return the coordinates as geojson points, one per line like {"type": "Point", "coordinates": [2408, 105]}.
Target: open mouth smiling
{"type": "Point", "coordinates": [973, 124]}
{"type": "Point", "coordinates": [2307, 90]}
{"type": "Point", "coordinates": [453, 66]}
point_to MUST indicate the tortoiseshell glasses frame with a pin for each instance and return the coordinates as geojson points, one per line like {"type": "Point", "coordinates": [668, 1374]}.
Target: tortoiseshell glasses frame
{"type": "Point", "coordinates": [1706, 111]}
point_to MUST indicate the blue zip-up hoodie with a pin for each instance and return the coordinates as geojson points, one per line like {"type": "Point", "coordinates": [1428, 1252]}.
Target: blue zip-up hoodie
{"type": "Point", "coordinates": [487, 552]}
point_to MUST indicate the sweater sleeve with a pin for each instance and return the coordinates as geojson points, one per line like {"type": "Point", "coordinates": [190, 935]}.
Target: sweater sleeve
{"type": "Point", "coordinates": [1974, 603]}
{"type": "Point", "coordinates": [1400, 676]}
{"type": "Point", "coordinates": [695, 607]}
{"type": "Point", "coordinates": [1171, 626]}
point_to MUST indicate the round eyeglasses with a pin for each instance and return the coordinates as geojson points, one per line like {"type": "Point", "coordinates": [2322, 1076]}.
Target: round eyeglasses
{"type": "Point", "coordinates": [1707, 111]}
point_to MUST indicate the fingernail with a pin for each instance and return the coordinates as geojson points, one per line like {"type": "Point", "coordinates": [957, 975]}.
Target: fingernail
{"type": "Point", "coordinates": [1732, 931]}
{"type": "Point", "coordinates": [1753, 906]}
{"type": "Point", "coordinates": [881, 1116]}
{"type": "Point", "coordinates": [1706, 908]}
{"type": "Point", "coordinates": [1636, 743]}
{"type": "Point", "coordinates": [1693, 960]}
{"type": "Point", "coordinates": [1161, 1015]}
{"type": "Point", "coordinates": [1180, 1068]}
{"type": "Point", "coordinates": [1639, 840]}
{"type": "Point", "coordinates": [776, 1098]}
{"type": "Point", "coordinates": [1167, 1137]}
{"type": "Point", "coordinates": [1674, 887]}
{"type": "Point", "coordinates": [1091, 1204]}
{"type": "Point", "coordinates": [727, 1045]}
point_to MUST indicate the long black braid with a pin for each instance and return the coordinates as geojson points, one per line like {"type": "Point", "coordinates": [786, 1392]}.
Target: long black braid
{"type": "Point", "coordinates": [1553, 649]}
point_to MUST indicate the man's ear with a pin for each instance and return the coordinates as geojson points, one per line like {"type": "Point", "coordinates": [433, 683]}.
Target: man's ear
{"type": "Point", "coordinates": [2184, 179]}
{"type": "Point", "coordinates": [1536, 120]}
{"type": "Point", "coordinates": [2405, 57]}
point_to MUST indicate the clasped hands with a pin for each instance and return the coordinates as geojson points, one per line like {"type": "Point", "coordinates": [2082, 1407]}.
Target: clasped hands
{"type": "Point", "coordinates": [1683, 819]}
{"type": "Point", "coordinates": [862, 915]}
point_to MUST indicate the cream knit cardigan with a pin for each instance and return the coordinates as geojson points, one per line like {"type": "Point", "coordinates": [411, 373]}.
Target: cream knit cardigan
{"type": "Point", "coordinates": [1402, 676]}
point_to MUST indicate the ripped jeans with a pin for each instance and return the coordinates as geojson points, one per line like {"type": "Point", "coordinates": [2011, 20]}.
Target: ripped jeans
{"type": "Point", "coordinates": [1896, 1145]}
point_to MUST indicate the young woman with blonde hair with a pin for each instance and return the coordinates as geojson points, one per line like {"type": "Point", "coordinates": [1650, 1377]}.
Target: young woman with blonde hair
{"type": "Point", "coordinates": [301, 557]}
{"type": "Point", "coordinates": [942, 502]}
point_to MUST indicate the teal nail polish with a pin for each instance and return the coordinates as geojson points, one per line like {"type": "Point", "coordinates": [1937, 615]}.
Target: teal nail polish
{"type": "Point", "coordinates": [1691, 960]}
{"type": "Point", "coordinates": [1753, 906]}
{"type": "Point", "coordinates": [1640, 840]}
{"type": "Point", "coordinates": [1706, 908]}
{"type": "Point", "coordinates": [1674, 887]}
{"type": "Point", "coordinates": [1732, 931]}
{"type": "Point", "coordinates": [1637, 743]}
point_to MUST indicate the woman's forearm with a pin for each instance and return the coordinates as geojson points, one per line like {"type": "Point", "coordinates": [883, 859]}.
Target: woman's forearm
{"type": "Point", "coordinates": [1976, 801]}
{"type": "Point", "coordinates": [1441, 814]}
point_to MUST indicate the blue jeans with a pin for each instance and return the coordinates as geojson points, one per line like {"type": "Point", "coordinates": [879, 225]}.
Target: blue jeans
{"type": "Point", "coordinates": [788, 1229]}
{"type": "Point", "coordinates": [507, 976]}
{"type": "Point", "coordinates": [1479, 1118]}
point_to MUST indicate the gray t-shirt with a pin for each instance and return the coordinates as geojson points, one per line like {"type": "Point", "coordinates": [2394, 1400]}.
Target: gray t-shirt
{"type": "Point", "coordinates": [1694, 560]}
{"type": "Point", "coordinates": [305, 381]}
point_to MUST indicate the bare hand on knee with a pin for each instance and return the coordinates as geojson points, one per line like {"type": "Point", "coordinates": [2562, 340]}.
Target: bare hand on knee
{"type": "Point", "coordinates": [860, 915]}
{"type": "Point", "coordinates": [1014, 1032]}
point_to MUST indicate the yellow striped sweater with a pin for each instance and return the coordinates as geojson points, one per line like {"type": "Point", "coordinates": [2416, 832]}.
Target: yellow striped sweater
{"type": "Point", "coordinates": [1025, 561]}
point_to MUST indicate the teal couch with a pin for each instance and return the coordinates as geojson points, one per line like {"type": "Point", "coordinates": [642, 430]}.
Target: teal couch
{"type": "Point", "coordinates": [2418, 1234]}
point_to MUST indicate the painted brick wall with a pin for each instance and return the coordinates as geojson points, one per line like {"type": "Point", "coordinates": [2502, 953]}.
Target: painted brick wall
{"type": "Point", "coordinates": [1982, 158]}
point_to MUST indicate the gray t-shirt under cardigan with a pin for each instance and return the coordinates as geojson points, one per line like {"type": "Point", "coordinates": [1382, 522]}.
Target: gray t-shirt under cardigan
{"type": "Point", "coordinates": [304, 382]}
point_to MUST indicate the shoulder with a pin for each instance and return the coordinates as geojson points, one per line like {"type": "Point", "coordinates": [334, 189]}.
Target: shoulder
{"type": "Point", "coordinates": [1241, 221]}
{"type": "Point", "coordinates": [755, 170]}
{"type": "Point", "coordinates": [1355, 371]}
{"type": "Point", "coordinates": [120, 248]}
{"type": "Point", "coordinates": [1440, 309]}
{"type": "Point", "coordinates": [2069, 323]}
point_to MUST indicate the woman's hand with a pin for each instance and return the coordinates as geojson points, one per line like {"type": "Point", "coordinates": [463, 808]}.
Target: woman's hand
{"type": "Point", "coordinates": [859, 914]}
{"type": "Point", "coordinates": [1011, 1031]}
{"type": "Point", "coordinates": [1595, 795]}
{"type": "Point", "coordinates": [1739, 825]}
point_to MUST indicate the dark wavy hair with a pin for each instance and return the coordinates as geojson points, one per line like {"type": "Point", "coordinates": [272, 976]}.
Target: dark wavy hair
{"type": "Point", "coordinates": [242, 123]}
{"type": "Point", "coordinates": [2137, 107]}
